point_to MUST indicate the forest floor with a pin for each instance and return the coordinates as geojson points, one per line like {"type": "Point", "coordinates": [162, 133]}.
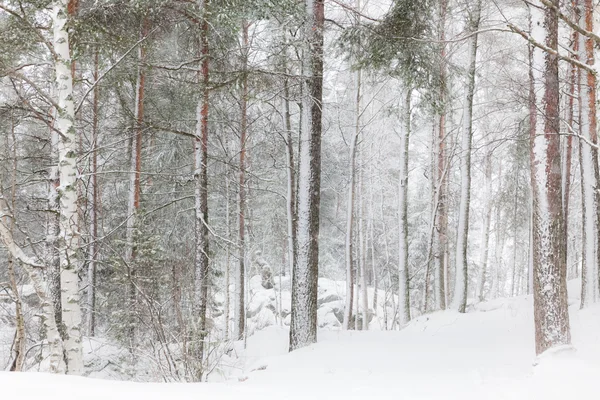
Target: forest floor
{"type": "Point", "coordinates": [487, 353]}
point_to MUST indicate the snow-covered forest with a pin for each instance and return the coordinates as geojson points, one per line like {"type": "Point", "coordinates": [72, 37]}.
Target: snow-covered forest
{"type": "Point", "coordinates": [229, 190]}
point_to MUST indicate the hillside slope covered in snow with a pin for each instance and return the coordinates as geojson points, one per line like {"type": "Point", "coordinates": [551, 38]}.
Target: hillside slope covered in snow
{"type": "Point", "coordinates": [487, 353]}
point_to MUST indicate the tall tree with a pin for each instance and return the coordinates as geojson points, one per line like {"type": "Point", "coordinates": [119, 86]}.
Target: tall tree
{"type": "Point", "coordinates": [588, 159]}
{"type": "Point", "coordinates": [68, 242]}
{"type": "Point", "coordinates": [202, 266]}
{"type": "Point", "coordinates": [549, 261]}
{"type": "Point", "coordinates": [459, 301]}
{"type": "Point", "coordinates": [303, 325]}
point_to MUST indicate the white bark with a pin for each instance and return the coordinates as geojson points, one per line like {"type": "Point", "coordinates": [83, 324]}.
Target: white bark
{"type": "Point", "coordinates": [404, 293]}
{"type": "Point", "coordinates": [68, 149]}
{"type": "Point", "coordinates": [33, 270]}
{"type": "Point", "coordinates": [349, 239]}
{"type": "Point", "coordinates": [459, 302]}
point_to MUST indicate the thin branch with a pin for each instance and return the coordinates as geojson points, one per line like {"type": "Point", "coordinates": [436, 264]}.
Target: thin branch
{"type": "Point", "coordinates": [103, 75]}
{"type": "Point", "coordinates": [551, 51]}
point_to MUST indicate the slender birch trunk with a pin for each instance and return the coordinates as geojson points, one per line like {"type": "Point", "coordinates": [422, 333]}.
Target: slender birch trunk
{"type": "Point", "coordinates": [303, 326]}
{"type": "Point", "coordinates": [19, 343]}
{"type": "Point", "coordinates": [549, 279]}
{"type": "Point", "coordinates": [67, 191]}
{"type": "Point", "coordinates": [33, 270]}
{"type": "Point", "coordinates": [350, 278]}
{"type": "Point", "coordinates": [404, 293]}
{"type": "Point", "coordinates": [362, 250]}
{"type": "Point", "coordinates": [487, 218]}
{"type": "Point", "coordinates": [459, 302]}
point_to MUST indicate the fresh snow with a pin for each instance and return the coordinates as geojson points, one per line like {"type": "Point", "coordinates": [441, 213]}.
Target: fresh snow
{"type": "Point", "coordinates": [487, 353]}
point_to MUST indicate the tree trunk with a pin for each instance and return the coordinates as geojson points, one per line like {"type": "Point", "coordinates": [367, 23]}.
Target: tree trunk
{"type": "Point", "coordinates": [241, 309]}
{"type": "Point", "coordinates": [91, 289]}
{"type": "Point", "coordinates": [303, 326]}
{"type": "Point", "coordinates": [133, 204]}
{"type": "Point", "coordinates": [20, 341]}
{"type": "Point", "coordinates": [403, 277]}
{"type": "Point", "coordinates": [202, 267]}
{"type": "Point", "coordinates": [67, 191]}
{"type": "Point", "coordinates": [291, 177]}
{"type": "Point", "coordinates": [441, 232]}
{"type": "Point", "coordinates": [350, 278]}
{"type": "Point", "coordinates": [589, 162]}
{"type": "Point", "coordinates": [549, 269]}
{"type": "Point", "coordinates": [33, 270]}
{"type": "Point", "coordinates": [459, 302]}
{"type": "Point", "coordinates": [487, 218]}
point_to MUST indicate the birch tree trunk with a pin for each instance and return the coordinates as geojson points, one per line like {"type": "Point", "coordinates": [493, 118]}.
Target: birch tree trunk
{"type": "Point", "coordinates": [549, 269]}
{"type": "Point", "coordinates": [19, 343]}
{"type": "Point", "coordinates": [459, 302]}
{"type": "Point", "coordinates": [67, 191]}
{"type": "Point", "coordinates": [487, 218]}
{"type": "Point", "coordinates": [33, 270]}
{"type": "Point", "coordinates": [403, 277]}
{"type": "Point", "coordinates": [588, 161]}
{"type": "Point", "coordinates": [303, 325]}
{"type": "Point", "coordinates": [350, 278]}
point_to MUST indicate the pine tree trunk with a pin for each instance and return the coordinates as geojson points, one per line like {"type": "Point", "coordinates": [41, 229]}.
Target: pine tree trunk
{"type": "Point", "coordinates": [67, 191]}
{"type": "Point", "coordinates": [91, 273]}
{"type": "Point", "coordinates": [549, 269]}
{"type": "Point", "coordinates": [202, 267]}
{"type": "Point", "coordinates": [133, 204]}
{"type": "Point", "coordinates": [403, 277]}
{"type": "Point", "coordinates": [589, 162]}
{"type": "Point", "coordinates": [441, 231]}
{"type": "Point", "coordinates": [459, 302]}
{"type": "Point", "coordinates": [291, 177]}
{"type": "Point", "coordinates": [241, 309]}
{"type": "Point", "coordinates": [303, 326]}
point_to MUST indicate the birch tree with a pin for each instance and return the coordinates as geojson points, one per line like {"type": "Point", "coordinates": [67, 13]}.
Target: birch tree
{"type": "Point", "coordinates": [67, 191]}
{"type": "Point", "coordinates": [459, 301]}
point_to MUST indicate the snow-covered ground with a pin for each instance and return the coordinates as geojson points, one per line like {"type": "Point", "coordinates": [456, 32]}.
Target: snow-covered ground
{"type": "Point", "coordinates": [484, 354]}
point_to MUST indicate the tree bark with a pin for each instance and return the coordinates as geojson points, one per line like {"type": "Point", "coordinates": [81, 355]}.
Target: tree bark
{"type": "Point", "coordinates": [403, 277]}
{"type": "Point", "coordinates": [441, 232]}
{"type": "Point", "coordinates": [67, 191]}
{"type": "Point", "coordinates": [549, 262]}
{"type": "Point", "coordinates": [202, 266]}
{"type": "Point", "coordinates": [94, 248]}
{"type": "Point", "coordinates": [487, 218]}
{"type": "Point", "coordinates": [303, 326]}
{"type": "Point", "coordinates": [459, 302]}
{"type": "Point", "coordinates": [589, 162]}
